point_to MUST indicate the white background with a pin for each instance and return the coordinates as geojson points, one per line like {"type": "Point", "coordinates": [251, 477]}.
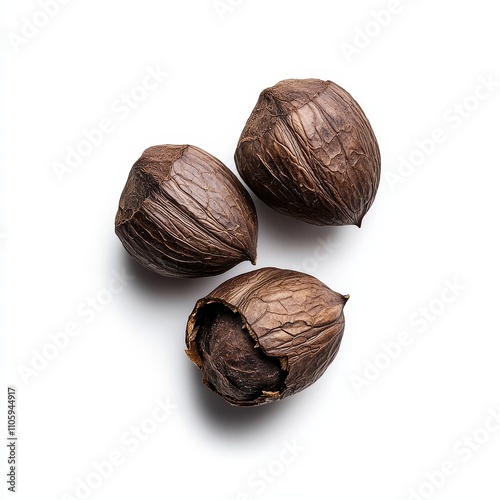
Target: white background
{"type": "Point", "coordinates": [359, 432]}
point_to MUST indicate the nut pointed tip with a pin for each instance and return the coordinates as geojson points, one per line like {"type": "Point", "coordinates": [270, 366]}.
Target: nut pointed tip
{"type": "Point", "coordinates": [346, 297]}
{"type": "Point", "coordinates": [252, 257]}
{"type": "Point", "coordinates": [359, 220]}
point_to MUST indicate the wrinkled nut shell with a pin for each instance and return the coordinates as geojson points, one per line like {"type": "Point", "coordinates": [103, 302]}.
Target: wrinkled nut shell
{"type": "Point", "coordinates": [184, 214]}
{"type": "Point", "coordinates": [289, 316]}
{"type": "Point", "coordinates": [308, 151]}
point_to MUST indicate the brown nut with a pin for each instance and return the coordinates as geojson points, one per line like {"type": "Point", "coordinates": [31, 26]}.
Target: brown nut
{"type": "Point", "coordinates": [183, 213]}
{"type": "Point", "coordinates": [308, 151]}
{"type": "Point", "coordinates": [265, 335]}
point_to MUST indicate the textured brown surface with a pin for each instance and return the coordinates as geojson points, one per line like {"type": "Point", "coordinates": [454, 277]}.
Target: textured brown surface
{"type": "Point", "coordinates": [183, 213]}
{"type": "Point", "coordinates": [291, 316]}
{"type": "Point", "coordinates": [308, 151]}
{"type": "Point", "coordinates": [233, 364]}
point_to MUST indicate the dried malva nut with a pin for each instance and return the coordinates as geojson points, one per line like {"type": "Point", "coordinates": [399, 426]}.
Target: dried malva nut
{"type": "Point", "coordinates": [308, 151]}
{"type": "Point", "coordinates": [265, 335]}
{"type": "Point", "coordinates": [184, 214]}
